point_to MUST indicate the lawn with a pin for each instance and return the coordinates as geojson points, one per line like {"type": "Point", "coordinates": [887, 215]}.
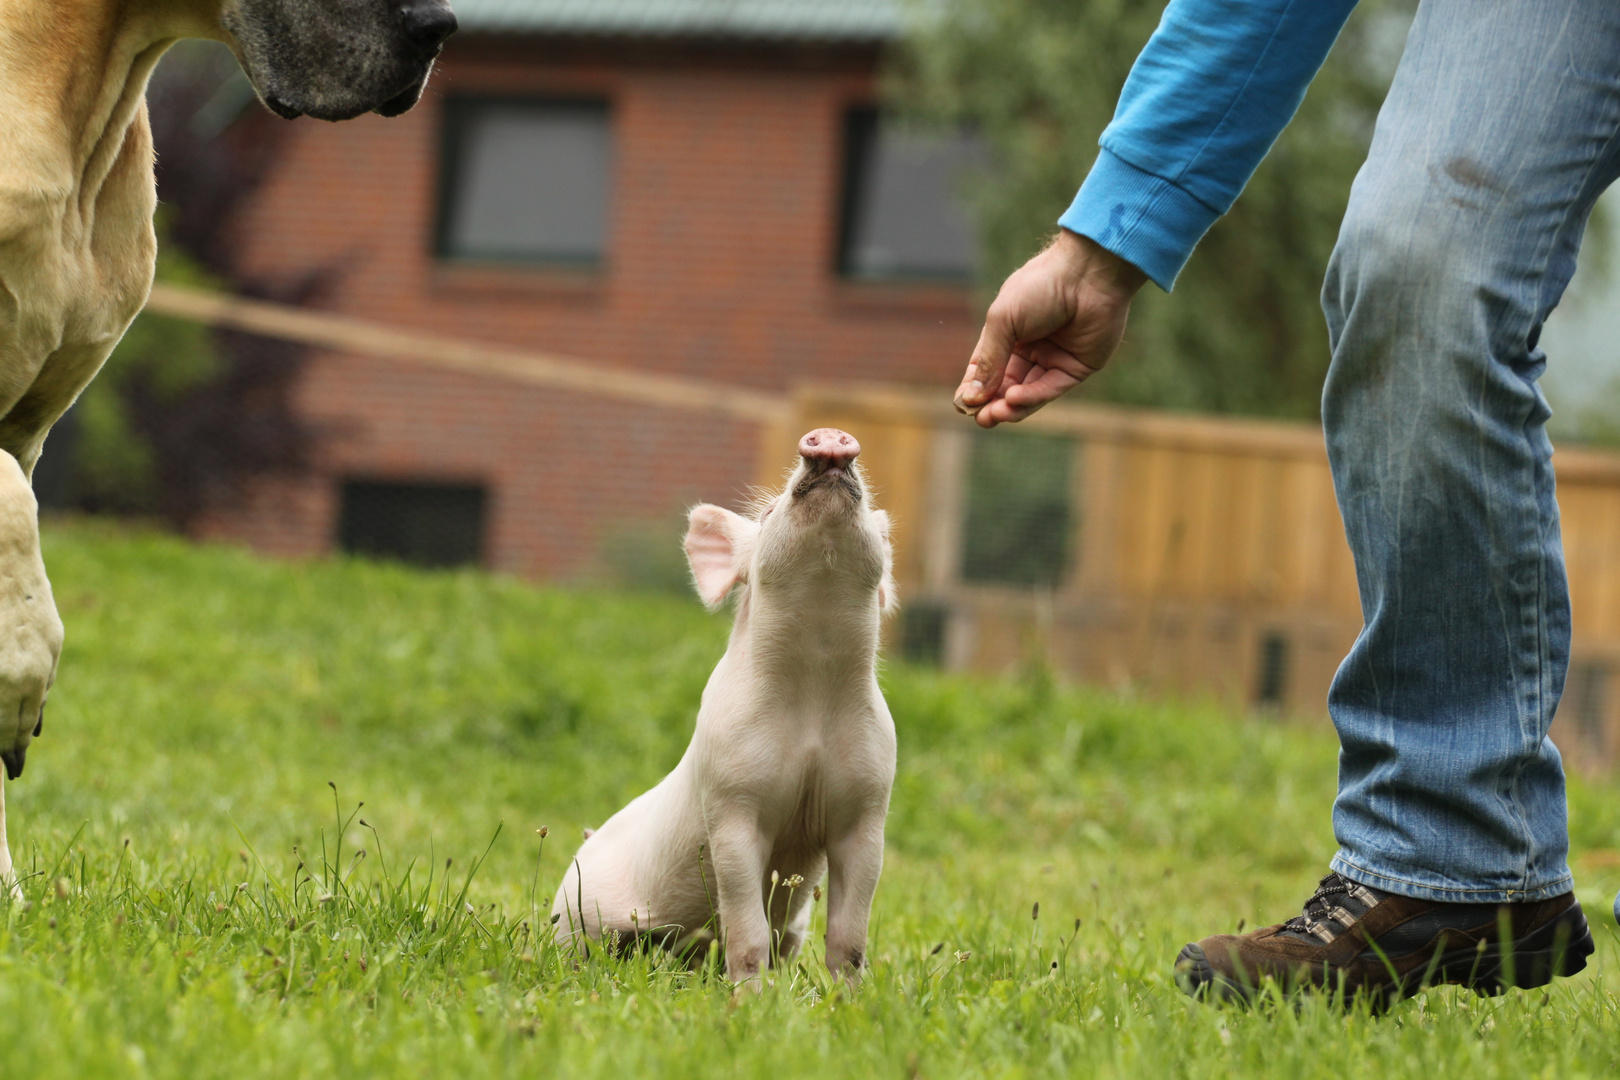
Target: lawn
{"type": "Point", "coordinates": [185, 918]}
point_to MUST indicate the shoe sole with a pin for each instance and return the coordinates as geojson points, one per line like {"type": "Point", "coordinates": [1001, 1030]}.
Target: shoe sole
{"type": "Point", "coordinates": [1558, 949]}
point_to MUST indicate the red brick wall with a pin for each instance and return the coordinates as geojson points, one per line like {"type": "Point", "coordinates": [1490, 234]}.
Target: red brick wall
{"type": "Point", "coordinates": [722, 230]}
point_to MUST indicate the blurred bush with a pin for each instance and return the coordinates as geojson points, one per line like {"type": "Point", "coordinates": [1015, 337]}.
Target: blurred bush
{"type": "Point", "coordinates": [646, 556]}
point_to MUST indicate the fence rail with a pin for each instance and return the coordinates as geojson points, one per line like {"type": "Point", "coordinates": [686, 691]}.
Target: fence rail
{"type": "Point", "coordinates": [341, 332]}
{"type": "Point", "coordinates": [1199, 553]}
{"type": "Point", "coordinates": [603, 380]}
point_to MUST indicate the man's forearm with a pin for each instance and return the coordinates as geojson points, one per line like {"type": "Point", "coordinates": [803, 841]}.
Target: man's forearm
{"type": "Point", "coordinates": [1214, 87]}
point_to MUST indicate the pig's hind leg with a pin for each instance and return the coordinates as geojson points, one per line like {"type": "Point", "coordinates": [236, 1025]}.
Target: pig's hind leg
{"type": "Point", "coordinates": [568, 910]}
{"type": "Point", "coordinates": [589, 907]}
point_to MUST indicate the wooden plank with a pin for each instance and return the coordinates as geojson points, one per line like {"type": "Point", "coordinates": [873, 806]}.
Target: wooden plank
{"type": "Point", "coordinates": [1180, 430]}
{"type": "Point", "coordinates": [345, 334]}
{"type": "Point", "coordinates": [1095, 486]}
{"type": "Point", "coordinates": [1200, 480]}
{"type": "Point", "coordinates": [1581, 528]}
{"type": "Point", "coordinates": [1245, 536]}
{"type": "Point", "coordinates": [1333, 568]}
{"type": "Point", "coordinates": [1586, 465]}
{"type": "Point", "coordinates": [1159, 427]}
{"type": "Point", "coordinates": [1271, 528]}
{"type": "Point", "coordinates": [1605, 589]}
{"type": "Point", "coordinates": [899, 490]}
{"type": "Point", "coordinates": [1293, 518]}
{"type": "Point", "coordinates": [1591, 528]}
{"type": "Point", "coordinates": [1149, 503]}
{"type": "Point", "coordinates": [941, 548]}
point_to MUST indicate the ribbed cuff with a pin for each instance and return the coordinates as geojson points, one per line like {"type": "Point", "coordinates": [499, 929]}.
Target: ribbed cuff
{"type": "Point", "coordinates": [1144, 219]}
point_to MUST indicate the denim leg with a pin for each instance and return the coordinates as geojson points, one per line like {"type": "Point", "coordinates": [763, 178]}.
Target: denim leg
{"type": "Point", "coordinates": [1500, 131]}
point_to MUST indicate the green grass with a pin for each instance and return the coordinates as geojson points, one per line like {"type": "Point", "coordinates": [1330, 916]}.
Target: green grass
{"type": "Point", "coordinates": [207, 698]}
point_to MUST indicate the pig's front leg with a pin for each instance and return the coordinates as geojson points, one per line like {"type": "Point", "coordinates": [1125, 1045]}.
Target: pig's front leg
{"type": "Point", "coordinates": [738, 852]}
{"type": "Point", "coordinates": [854, 861]}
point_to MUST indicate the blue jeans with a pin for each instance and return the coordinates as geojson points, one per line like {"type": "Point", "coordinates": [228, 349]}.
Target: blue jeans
{"type": "Point", "coordinates": [1499, 133]}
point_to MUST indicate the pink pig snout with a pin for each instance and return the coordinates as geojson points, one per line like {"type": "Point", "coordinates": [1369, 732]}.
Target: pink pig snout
{"type": "Point", "coordinates": [829, 448]}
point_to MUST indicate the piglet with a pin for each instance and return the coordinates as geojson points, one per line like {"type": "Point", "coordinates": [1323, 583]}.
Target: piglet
{"type": "Point", "coordinates": [788, 774]}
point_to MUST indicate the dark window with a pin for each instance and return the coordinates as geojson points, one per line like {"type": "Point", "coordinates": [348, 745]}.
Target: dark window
{"type": "Point", "coordinates": [1272, 685]}
{"type": "Point", "coordinates": [525, 181]}
{"type": "Point", "coordinates": [424, 524]}
{"type": "Point", "coordinates": [904, 214]}
{"type": "Point", "coordinates": [1018, 509]}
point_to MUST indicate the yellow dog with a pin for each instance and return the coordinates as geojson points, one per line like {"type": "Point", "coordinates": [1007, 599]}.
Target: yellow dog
{"type": "Point", "coordinates": [76, 243]}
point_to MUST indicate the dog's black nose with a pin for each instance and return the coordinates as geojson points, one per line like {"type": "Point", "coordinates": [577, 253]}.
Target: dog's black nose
{"type": "Point", "coordinates": [14, 759]}
{"type": "Point", "coordinates": [427, 24]}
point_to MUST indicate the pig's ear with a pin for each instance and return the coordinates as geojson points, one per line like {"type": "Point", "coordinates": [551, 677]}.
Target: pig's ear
{"type": "Point", "coordinates": [888, 595]}
{"type": "Point", "coordinates": [719, 545]}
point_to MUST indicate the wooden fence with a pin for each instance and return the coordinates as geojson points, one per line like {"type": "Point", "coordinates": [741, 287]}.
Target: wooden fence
{"type": "Point", "coordinates": [1205, 556]}
{"type": "Point", "coordinates": [1201, 555]}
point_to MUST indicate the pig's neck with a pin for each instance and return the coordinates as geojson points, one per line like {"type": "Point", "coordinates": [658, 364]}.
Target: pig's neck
{"type": "Point", "coordinates": [817, 644]}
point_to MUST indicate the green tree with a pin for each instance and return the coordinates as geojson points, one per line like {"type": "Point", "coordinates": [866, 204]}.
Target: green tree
{"type": "Point", "coordinates": [1039, 79]}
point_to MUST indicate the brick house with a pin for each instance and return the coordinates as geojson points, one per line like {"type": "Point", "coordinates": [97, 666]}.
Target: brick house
{"type": "Point", "coordinates": [694, 188]}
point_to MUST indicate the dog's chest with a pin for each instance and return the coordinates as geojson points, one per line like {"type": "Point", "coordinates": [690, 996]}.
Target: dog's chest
{"type": "Point", "coordinates": [71, 277]}
{"type": "Point", "coordinates": [75, 269]}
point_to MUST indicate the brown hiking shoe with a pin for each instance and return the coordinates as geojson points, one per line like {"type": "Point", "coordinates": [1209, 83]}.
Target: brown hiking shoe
{"type": "Point", "coordinates": [1358, 940]}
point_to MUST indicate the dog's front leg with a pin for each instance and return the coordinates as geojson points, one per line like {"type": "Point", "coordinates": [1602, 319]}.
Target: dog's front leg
{"type": "Point", "coordinates": [854, 862]}
{"type": "Point", "coordinates": [738, 852]}
{"type": "Point", "coordinates": [30, 633]}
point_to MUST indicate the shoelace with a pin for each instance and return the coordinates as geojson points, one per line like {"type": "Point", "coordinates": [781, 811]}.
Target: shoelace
{"type": "Point", "coordinates": [1317, 907]}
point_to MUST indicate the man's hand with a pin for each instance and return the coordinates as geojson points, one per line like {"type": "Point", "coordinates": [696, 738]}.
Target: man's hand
{"type": "Point", "coordinates": [1056, 322]}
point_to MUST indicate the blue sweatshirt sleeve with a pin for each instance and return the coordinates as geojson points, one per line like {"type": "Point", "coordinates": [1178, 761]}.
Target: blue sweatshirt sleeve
{"type": "Point", "coordinates": [1214, 87]}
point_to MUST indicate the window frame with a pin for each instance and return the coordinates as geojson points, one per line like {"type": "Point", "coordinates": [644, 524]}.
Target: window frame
{"type": "Point", "coordinates": [862, 114]}
{"type": "Point", "coordinates": [453, 131]}
{"type": "Point", "coordinates": [853, 168]}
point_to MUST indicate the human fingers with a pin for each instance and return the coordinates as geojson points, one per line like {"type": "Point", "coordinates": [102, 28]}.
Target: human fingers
{"type": "Point", "coordinates": [1017, 402]}
{"type": "Point", "coordinates": [1041, 357]}
{"type": "Point", "coordinates": [1018, 368]}
{"type": "Point", "coordinates": [1031, 380]}
{"type": "Point", "coordinates": [1016, 371]}
{"type": "Point", "coordinates": [989, 361]}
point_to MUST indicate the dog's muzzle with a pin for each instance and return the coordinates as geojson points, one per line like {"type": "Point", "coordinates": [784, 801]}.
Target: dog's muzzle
{"type": "Point", "coordinates": [427, 25]}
